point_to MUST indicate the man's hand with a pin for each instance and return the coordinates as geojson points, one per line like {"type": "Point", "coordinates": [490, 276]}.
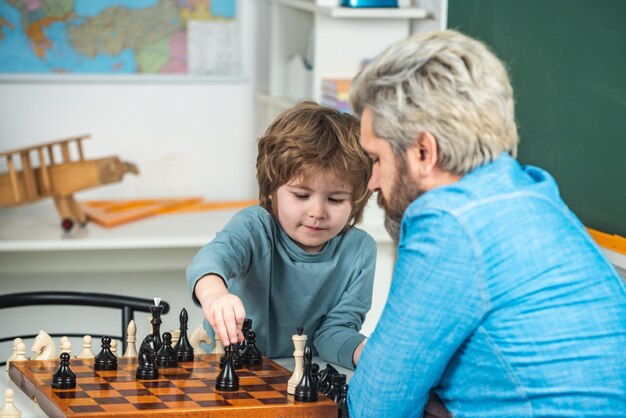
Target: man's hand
{"type": "Point", "coordinates": [357, 353]}
{"type": "Point", "coordinates": [225, 312]}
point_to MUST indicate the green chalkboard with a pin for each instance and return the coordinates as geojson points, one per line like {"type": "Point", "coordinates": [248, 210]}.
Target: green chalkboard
{"type": "Point", "coordinates": [567, 61]}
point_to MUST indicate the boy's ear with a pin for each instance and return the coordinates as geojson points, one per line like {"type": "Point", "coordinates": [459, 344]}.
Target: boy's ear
{"type": "Point", "coordinates": [422, 155]}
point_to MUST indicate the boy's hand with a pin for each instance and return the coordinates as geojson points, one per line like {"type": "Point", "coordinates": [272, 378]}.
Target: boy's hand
{"type": "Point", "coordinates": [225, 312]}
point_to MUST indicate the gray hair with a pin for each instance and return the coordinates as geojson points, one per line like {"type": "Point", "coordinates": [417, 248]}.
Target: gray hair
{"type": "Point", "coordinates": [444, 83]}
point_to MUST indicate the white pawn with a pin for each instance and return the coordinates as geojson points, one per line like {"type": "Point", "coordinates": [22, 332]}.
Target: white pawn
{"type": "Point", "coordinates": [12, 356]}
{"type": "Point", "coordinates": [86, 353]}
{"type": "Point", "coordinates": [131, 331]}
{"type": "Point", "coordinates": [219, 347]}
{"type": "Point", "coordinates": [61, 341]}
{"type": "Point", "coordinates": [20, 352]}
{"type": "Point", "coordinates": [9, 410]}
{"type": "Point", "coordinates": [114, 346]}
{"type": "Point", "coordinates": [66, 347]}
{"type": "Point", "coordinates": [299, 341]}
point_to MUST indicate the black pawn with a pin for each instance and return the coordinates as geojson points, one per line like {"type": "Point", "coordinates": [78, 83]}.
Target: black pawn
{"type": "Point", "coordinates": [146, 367]}
{"type": "Point", "coordinates": [183, 348]}
{"type": "Point", "coordinates": [245, 329]}
{"type": "Point", "coordinates": [105, 359]}
{"type": "Point", "coordinates": [251, 356]}
{"type": "Point", "coordinates": [342, 404]}
{"type": "Point", "coordinates": [306, 391]}
{"type": "Point", "coordinates": [228, 380]}
{"type": "Point", "coordinates": [237, 363]}
{"type": "Point", "coordinates": [166, 356]}
{"type": "Point", "coordinates": [64, 378]}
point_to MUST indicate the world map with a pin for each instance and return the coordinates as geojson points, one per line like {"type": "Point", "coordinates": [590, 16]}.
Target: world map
{"type": "Point", "coordinates": [107, 36]}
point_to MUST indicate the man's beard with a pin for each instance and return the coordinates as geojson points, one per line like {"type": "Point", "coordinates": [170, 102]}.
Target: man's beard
{"type": "Point", "coordinates": [403, 192]}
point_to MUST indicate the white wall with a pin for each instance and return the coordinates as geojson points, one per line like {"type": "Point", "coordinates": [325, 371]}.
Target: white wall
{"type": "Point", "coordinates": [187, 138]}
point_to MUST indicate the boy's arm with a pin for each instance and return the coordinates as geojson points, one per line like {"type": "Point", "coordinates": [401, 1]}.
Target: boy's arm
{"type": "Point", "coordinates": [338, 339]}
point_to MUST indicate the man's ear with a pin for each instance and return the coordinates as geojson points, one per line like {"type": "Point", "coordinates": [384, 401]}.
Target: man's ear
{"type": "Point", "coordinates": [423, 153]}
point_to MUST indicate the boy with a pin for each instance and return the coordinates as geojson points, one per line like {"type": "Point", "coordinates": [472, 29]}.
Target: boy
{"type": "Point", "coordinates": [296, 260]}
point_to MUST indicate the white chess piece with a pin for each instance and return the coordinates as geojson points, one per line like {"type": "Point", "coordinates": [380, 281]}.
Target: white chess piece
{"type": "Point", "coordinates": [219, 347]}
{"type": "Point", "coordinates": [114, 346]}
{"type": "Point", "coordinates": [86, 353]}
{"type": "Point", "coordinates": [198, 335]}
{"type": "Point", "coordinates": [299, 341]}
{"type": "Point", "coordinates": [43, 347]}
{"type": "Point", "coordinates": [20, 352]}
{"type": "Point", "coordinates": [9, 410]}
{"type": "Point", "coordinates": [131, 331]}
{"type": "Point", "coordinates": [62, 340]}
{"type": "Point", "coordinates": [66, 347]}
{"type": "Point", "coordinates": [14, 353]}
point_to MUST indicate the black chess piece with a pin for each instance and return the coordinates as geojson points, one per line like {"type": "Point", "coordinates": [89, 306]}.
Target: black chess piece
{"type": "Point", "coordinates": [64, 377]}
{"type": "Point", "coordinates": [105, 359]}
{"type": "Point", "coordinates": [251, 356]}
{"type": "Point", "coordinates": [146, 367]}
{"type": "Point", "coordinates": [246, 327]}
{"type": "Point", "coordinates": [228, 380]}
{"type": "Point", "coordinates": [166, 356]}
{"type": "Point", "coordinates": [183, 348]}
{"type": "Point", "coordinates": [315, 373]}
{"type": "Point", "coordinates": [324, 377]}
{"type": "Point", "coordinates": [342, 403]}
{"type": "Point", "coordinates": [334, 388]}
{"type": "Point", "coordinates": [156, 324]}
{"type": "Point", "coordinates": [306, 391]}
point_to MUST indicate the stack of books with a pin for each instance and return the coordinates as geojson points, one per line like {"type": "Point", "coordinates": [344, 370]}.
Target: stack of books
{"type": "Point", "coordinates": [335, 93]}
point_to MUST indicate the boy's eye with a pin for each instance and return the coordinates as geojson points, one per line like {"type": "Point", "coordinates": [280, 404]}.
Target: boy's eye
{"type": "Point", "coordinates": [335, 200]}
{"type": "Point", "coordinates": [301, 196]}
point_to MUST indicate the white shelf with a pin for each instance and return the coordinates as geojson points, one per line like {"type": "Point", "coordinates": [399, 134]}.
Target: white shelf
{"type": "Point", "coordinates": [357, 13]}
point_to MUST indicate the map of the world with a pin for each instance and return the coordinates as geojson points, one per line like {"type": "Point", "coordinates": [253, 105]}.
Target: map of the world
{"type": "Point", "coordinates": [115, 36]}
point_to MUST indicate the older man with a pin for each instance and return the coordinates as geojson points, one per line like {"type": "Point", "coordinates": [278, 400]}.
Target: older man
{"type": "Point", "coordinates": [500, 302]}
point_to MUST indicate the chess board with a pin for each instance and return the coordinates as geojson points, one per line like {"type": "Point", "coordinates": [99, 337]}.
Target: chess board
{"type": "Point", "coordinates": [187, 390]}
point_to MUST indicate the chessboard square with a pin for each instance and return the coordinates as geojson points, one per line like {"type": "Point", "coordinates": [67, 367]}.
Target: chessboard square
{"type": "Point", "coordinates": [121, 408]}
{"type": "Point", "coordinates": [83, 409]}
{"type": "Point", "coordinates": [244, 381]}
{"type": "Point", "coordinates": [255, 388]}
{"type": "Point", "coordinates": [189, 383]}
{"type": "Point", "coordinates": [200, 389]}
{"type": "Point", "coordinates": [275, 379]}
{"type": "Point", "coordinates": [283, 400]}
{"type": "Point", "coordinates": [142, 399]}
{"type": "Point", "coordinates": [150, 406]}
{"type": "Point", "coordinates": [281, 387]}
{"type": "Point", "coordinates": [112, 379]}
{"type": "Point", "coordinates": [209, 404]}
{"type": "Point", "coordinates": [207, 375]}
{"type": "Point", "coordinates": [135, 392]}
{"type": "Point", "coordinates": [157, 384]}
{"type": "Point", "coordinates": [81, 401]}
{"type": "Point", "coordinates": [205, 397]}
{"type": "Point", "coordinates": [270, 394]}
{"type": "Point", "coordinates": [245, 373]}
{"type": "Point", "coordinates": [204, 370]}
{"type": "Point", "coordinates": [96, 386]}
{"type": "Point", "coordinates": [81, 369]}
{"type": "Point", "coordinates": [84, 375]}
{"type": "Point", "coordinates": [109, 400]}
{"type": "Point", "coordinates": [108, 373]}
{"type": "Point", "coordinates": [70, 394]}
{"type": "Point", "coordinates": [245, 402]}
{"type": "Point", "coordinates": [166, 391]}
{"type": "Point", "coordinates": [174, 398]}
{"type": "Point", "coordinates": [235, 395]}
{"type": "Point", "coordinates": [264, 366]}
{"type": "Point", "coordinates": [183, 405]}
{"type": "Point", "coordinates": [102, 393]}
{"type": "Point", "coordinates": [127, 385]}
{"type": "Point", "coordinates": [176, 376]}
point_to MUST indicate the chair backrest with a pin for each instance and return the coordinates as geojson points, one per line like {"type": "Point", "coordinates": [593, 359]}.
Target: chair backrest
{"type": "Point", "coordinates": [128, 305]}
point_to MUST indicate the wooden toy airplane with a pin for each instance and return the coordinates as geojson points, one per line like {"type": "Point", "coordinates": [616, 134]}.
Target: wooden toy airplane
{"type": "Point", "coordinates": [58, 180]}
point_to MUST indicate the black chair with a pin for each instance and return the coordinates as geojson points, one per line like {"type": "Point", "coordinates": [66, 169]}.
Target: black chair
{"type": "Point", "coordinates": [127, 304]}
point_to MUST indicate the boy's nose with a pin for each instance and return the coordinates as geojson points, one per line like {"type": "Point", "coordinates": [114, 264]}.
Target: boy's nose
{"type": "Point", "coordinates": [317, 210]}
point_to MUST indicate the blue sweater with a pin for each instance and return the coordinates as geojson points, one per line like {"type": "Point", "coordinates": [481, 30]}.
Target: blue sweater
{"type": "Point", "coordinates": [502, 303]}
{"type": "Point", "coordinates": [283, 287]}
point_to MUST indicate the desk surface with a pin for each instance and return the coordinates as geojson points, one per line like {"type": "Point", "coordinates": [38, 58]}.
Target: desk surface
{"type": "Point", "coordinates": [30, 409]}
{"type": "Point", "coordinates": [36, 227]}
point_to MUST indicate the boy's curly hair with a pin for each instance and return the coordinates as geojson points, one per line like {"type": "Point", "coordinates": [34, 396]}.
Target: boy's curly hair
{"type": "Point", "coordinates": [309, 138]}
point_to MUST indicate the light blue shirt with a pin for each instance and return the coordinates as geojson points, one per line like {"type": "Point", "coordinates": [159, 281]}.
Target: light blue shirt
{"type": "Point", "coordinates": [502, 303]}
{"type": "Point", "coordinates": [283, 288]}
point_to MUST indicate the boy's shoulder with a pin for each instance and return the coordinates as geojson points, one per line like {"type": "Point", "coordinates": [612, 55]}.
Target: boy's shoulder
{"type": "Point", "coordinates": [357, 236]}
